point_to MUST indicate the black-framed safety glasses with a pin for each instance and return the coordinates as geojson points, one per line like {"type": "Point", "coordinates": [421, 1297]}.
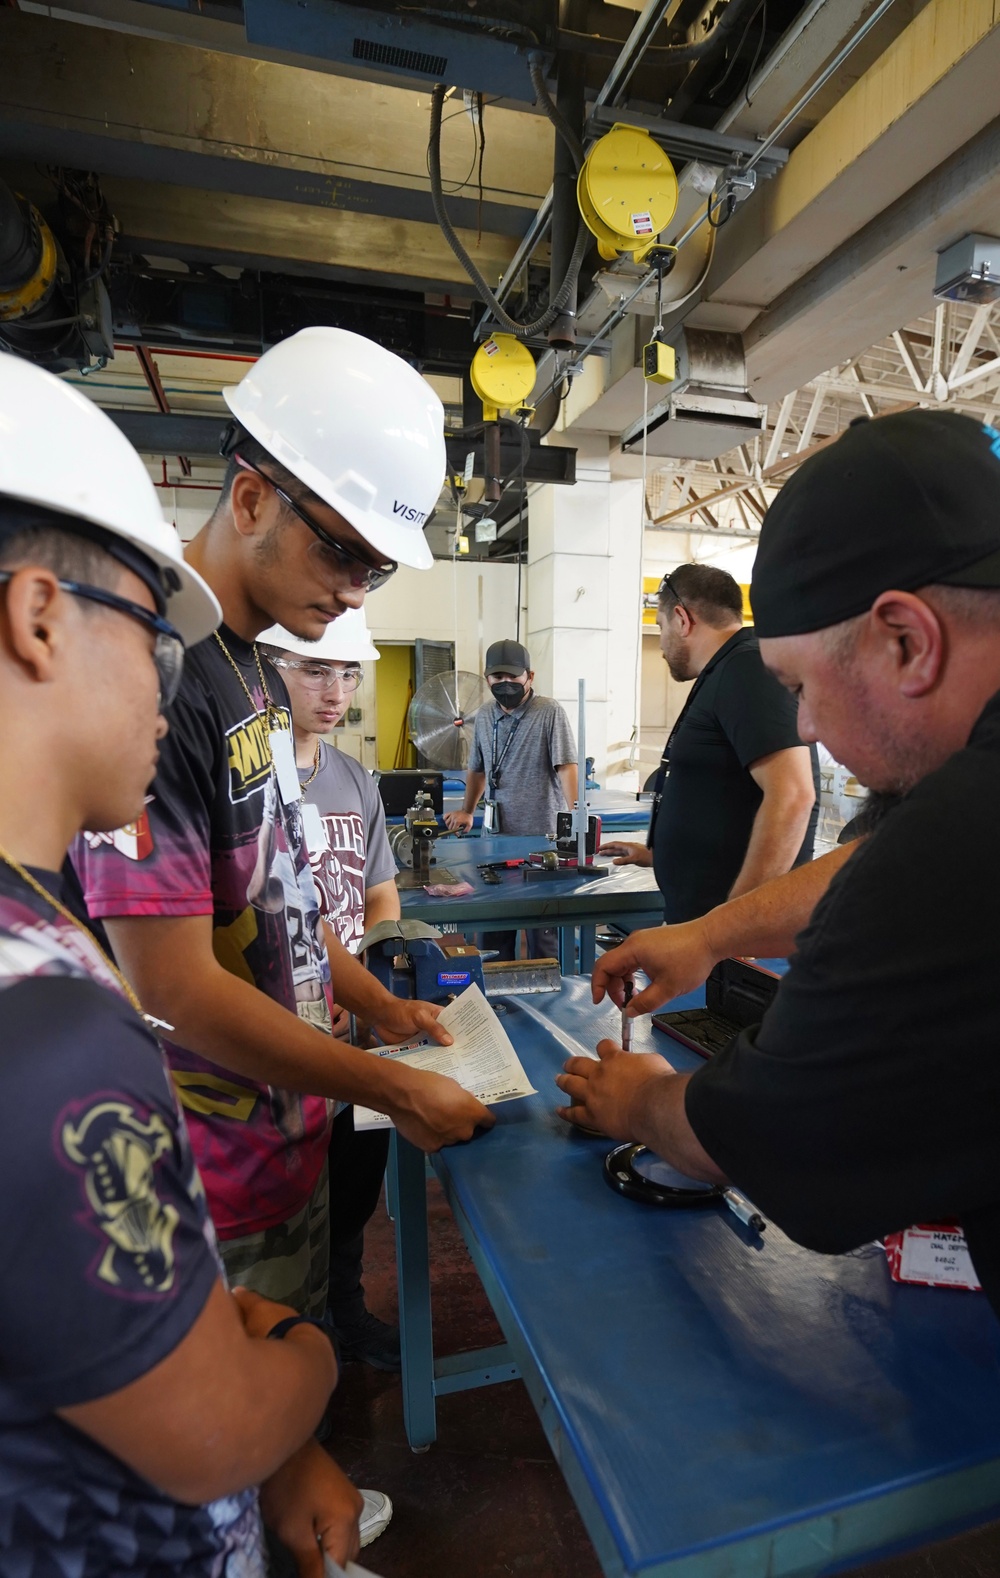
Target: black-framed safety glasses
{"type": "Point", "coordinates": [344, 561]}
{"type": "Point", "coordinates": [667, 588]}
{"type": "Point", "coordinates": [168, 648]}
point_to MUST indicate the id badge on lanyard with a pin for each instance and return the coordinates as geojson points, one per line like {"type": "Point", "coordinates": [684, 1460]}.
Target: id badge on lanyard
{"type": "Point", "coordinates": [491, 816]}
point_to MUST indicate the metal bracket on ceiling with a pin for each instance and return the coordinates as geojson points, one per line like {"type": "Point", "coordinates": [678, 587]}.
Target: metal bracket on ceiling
{"type": "Point", "coordinates": [686, 142]}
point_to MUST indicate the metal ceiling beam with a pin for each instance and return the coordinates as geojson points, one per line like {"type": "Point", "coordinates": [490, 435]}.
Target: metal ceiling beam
{"type": "Point", "coordinates": [688, 142]}
{"type": "Point", "coordinates": [145, 161]}
{"type": "Point", "coordinates": [350, 156]}
{"type": "Point", "coordinates": [160, 433]}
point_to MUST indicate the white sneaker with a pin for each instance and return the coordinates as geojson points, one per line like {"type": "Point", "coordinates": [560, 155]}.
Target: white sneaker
{"type": "Point", "coordinates": [376, 1517]}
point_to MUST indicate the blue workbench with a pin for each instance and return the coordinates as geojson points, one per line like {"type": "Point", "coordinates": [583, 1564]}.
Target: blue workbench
{"type": "Point", "coordinates": [722, 1405]}
{"type": "Point", "coordinates": [626, 897]}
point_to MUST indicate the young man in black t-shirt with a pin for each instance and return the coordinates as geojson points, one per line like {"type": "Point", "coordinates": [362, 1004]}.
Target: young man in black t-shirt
{"type": "Point", "coordinates": [210, 903]}
{"type": "Point", "coordinates": [868, 1099]}
{"type": "Point", "coordinates": [140, 1401]}
{"type": "Point", "coordinates": [737, 793]}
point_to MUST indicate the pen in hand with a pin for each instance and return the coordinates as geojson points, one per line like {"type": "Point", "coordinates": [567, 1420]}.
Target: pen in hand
{"type": "Point", "coordinates": [627, 1023]}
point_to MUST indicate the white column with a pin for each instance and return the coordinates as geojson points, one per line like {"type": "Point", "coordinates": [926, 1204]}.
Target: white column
{"type": "Point", "coordinates": [584, 595]}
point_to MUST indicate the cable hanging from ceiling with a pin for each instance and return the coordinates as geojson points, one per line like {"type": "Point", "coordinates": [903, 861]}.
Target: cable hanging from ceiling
{"type": "Point", "coordinates": [563, 294]}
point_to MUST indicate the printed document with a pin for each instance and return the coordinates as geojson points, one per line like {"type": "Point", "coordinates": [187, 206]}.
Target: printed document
{"type": "Point", "coordinates": [480, 1058]}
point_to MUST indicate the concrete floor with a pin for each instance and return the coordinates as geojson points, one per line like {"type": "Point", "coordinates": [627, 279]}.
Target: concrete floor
{"type": "Point", "coordinates": [487, 1500]}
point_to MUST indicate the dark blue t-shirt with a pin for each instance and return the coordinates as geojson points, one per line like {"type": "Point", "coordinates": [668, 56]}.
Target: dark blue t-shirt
{"type": "Point", "coordinates": [108, 1259]}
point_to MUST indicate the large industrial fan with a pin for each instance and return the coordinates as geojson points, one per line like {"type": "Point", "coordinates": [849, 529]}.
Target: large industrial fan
{"type": "Point", "coordinates": [442, 714]}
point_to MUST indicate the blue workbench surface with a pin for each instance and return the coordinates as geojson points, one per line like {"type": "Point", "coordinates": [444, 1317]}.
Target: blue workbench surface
{"type": "Point", "coordinates": [626, 890]}
{"type": "Point", "coordinates": [722, 1405]}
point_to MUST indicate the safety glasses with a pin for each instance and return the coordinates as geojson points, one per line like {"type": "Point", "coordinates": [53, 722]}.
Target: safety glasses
{"type": "Point", "coordinates": [317, 676]}
{"type": "Point", "coordinates": [667, 587]}
{"type": "Point", "coordinates": [168, 647]}
{"type": "Point", "coordinates": [341, 560]}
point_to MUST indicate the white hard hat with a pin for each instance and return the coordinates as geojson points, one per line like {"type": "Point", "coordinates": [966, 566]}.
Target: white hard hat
{"type": "Point", "coordinates": [57, 449]}
{"type": "Point", "coordinates": [358, 426]}
{"type": "Point", "coordinates": [345, 640]}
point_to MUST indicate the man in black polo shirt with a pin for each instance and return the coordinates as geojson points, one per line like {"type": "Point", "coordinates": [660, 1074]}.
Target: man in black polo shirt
{"type": "Point", "coordinates": [868, 1099]}
{"type": "Point", "coordinates": [737, 793]}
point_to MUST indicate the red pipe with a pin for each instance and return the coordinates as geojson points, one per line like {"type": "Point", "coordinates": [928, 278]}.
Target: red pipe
{"type": "Point", "coordinates": [172, 350]}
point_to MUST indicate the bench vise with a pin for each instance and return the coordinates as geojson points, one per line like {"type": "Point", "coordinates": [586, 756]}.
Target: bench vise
{"type": "Point", "coordinates": [412, 959]}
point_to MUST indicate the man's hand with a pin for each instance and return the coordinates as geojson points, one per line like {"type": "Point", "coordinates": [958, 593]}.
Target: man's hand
{"type": "Point", "coordinates": [458, 821]}
{"type": "Point", "coordinates": [341, 1023]}
{"type": "Point", "coordinates": [627, 854]}
{"type": "Point", "coordinates": [607, 1094]}
{"type": "Point", "coordinates": [314, 1509]}
{"type": "Point", "coordinates": [259, 1314]}
{"type": "Point", "coordinates": [403, 1018]}
{"type": "Point", "coordinates": [431, 1110]}
{"type": "Point", "coordinates": [676, 959]}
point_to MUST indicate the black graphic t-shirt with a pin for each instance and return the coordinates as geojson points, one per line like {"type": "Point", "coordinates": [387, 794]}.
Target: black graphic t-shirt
{"type": "Point", "coordinates": [216, 839]}
{"type": "Point", "coordinates": [109, 1258]}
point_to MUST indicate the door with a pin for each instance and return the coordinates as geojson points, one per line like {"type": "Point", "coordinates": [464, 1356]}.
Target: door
{"type": "Point", "coordinates": [430, 658]}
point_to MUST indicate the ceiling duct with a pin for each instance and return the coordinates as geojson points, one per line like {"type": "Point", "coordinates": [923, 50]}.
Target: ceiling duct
{"type": "Point", "coordinates": [422, 45]}
{"type": "Point", "coordinates": [708, 410]}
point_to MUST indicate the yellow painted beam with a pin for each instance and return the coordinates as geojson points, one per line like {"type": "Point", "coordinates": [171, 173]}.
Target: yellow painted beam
{"type": "Point", "coordinates": [261, 227]}
{"type": "Point", "coordinates": [944, 35]}
{"type": "Point", "coordinates": [176, 96]}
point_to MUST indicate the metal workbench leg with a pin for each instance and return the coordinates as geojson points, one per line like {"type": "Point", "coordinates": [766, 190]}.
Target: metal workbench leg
{"type": "Point", "coordinates": [588, 949]}
{"type": "Point", "coordinates": [409, 1188]}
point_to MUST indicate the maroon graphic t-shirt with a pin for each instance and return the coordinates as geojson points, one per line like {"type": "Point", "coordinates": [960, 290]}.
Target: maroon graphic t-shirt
{"type": "Point", "coordinates": [216, 839]}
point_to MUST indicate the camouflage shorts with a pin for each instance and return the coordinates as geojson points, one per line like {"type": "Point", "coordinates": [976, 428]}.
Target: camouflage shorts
{"type": "Point", "coordinates": [289, 1263]}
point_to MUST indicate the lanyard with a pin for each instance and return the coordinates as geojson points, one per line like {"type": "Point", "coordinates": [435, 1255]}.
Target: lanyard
{"type": "Point", "coordinates": [495, 763]}
{"type": "Point", "coordinates": [664, 767]}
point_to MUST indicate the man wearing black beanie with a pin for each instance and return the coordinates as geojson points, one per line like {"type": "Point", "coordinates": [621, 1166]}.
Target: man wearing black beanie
{"type": "Point", "coordinates": [868, 1098]}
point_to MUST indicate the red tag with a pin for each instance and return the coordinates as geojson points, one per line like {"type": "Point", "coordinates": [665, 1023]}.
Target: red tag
{"type": "Point", "coordinates": [932, 1255]}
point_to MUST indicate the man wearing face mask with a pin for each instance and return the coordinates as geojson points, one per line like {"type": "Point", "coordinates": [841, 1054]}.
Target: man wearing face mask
{"type": "Point", "coordinates": [524, 756]}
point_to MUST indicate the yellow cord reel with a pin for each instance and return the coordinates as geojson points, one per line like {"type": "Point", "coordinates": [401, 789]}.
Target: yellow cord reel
{"type": "Point", "coordinates": [502, 374]}
{"type": "Point", "coordinates": [627, 192]}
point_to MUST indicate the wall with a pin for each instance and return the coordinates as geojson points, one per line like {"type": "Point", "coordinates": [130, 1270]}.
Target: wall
{"type": "Point", "coordinates": [584, 564]}
{"type": "Point", "coordinates": [424, 602]}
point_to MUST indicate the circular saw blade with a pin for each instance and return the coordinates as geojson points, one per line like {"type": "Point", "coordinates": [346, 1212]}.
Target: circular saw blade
{"type": "Point", "coordinates": [442, 715]}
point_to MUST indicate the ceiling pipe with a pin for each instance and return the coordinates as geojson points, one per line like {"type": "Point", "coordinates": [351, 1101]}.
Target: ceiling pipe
{"type": "Point", "coordinates": [737, 13]}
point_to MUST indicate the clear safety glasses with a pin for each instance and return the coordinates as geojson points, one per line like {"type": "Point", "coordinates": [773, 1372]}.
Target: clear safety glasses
{"type": "Point", "coordinates": [318, 677]}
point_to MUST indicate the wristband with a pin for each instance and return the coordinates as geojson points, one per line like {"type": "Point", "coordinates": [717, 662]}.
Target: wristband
{"type": "Point", "coordinates": [283, 1327]}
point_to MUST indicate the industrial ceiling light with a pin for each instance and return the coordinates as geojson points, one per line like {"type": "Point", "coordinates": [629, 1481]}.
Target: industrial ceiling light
{"type": "Point", "coordinates": [969, 271]}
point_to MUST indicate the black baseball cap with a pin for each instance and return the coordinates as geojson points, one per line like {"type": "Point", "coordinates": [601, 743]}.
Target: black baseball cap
{"type": "Point", "coordinates": [900, 501]}
{"type": "Point", "coordinates": [507, 657]}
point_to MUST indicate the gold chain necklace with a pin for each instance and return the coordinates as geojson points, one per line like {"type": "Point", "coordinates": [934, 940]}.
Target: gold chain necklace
{"type": "Point", "coordinates": [269, 706]}
{"type": "Point", "coordinates": [60, 909]}
{"type": "Point", "coordinates": [307, 781]}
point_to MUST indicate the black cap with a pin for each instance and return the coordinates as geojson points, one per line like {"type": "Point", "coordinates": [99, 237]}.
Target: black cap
{"type": "Point", "coordinates": [507, 657]}
{"type": "Point", "coordinates": [902, 501]}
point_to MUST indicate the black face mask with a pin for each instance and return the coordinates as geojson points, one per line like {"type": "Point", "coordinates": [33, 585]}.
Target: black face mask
{"type": "Point", "coordinates": [509, 692]}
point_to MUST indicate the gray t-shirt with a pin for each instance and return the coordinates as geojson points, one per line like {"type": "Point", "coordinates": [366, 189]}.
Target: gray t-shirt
{"type": "Point", "coordinates": [523, 749]}
{"type": "Point", "coordinates": [358, 856]}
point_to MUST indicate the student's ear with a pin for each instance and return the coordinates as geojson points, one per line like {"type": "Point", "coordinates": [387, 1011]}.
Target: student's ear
{"type": "Point", "coordinates": [35, 606]}
{"type": "Point", "coordinates": [247, 502]}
